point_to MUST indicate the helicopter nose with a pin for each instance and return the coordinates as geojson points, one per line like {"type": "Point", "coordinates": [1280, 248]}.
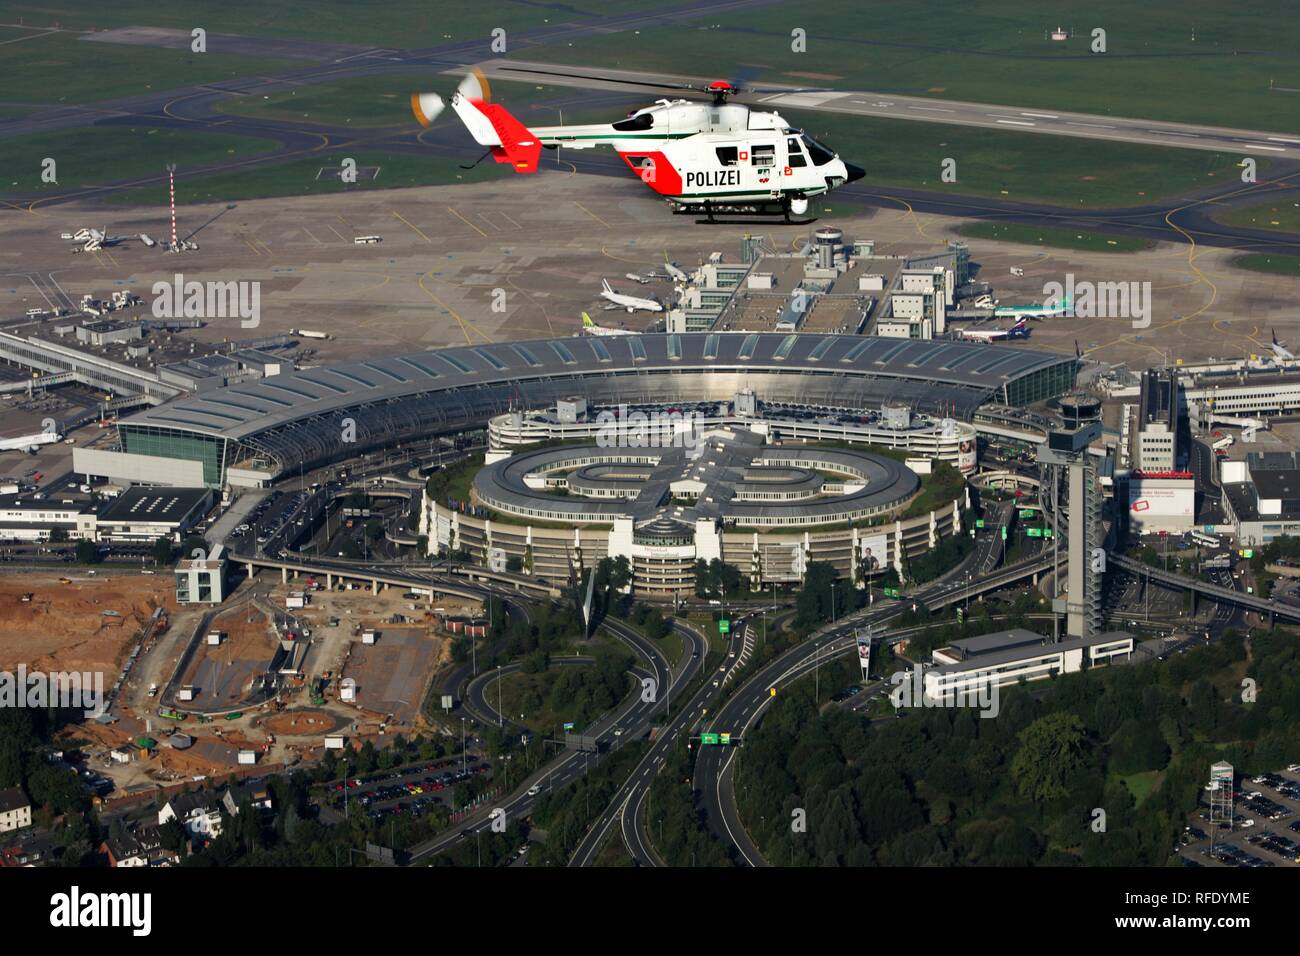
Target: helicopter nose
{"type": "Point", "coordinates": [854, 172]}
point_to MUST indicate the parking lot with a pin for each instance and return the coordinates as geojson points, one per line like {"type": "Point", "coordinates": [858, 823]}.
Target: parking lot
{"type": "Point", "coordinates": [413, 790]}
{"type": "Point", "coordinates": [1265, 830]}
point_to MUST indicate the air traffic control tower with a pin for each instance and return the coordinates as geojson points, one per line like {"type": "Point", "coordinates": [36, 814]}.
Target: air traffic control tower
{"type": "Point", "coordinates": [1066, 450]}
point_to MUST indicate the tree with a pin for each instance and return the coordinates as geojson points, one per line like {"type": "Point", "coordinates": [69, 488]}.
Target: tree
{"type": "Point", "coordinates": [1051, 749]}
{"type": "Point", "coordinates": [87, 552]}
{"type": "Point", "coordinates": [58, 535]}
{"type": "Point", "coordinates": [161, 551]}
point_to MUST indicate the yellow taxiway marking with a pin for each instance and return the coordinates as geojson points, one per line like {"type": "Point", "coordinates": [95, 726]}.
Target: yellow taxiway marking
{"type": "Point", "coordinates": [465, 327]}
{"type": "Point", "coordinates": [592, 214]}
{"type": "Point", "coordinates": [467, 222]}
{"type": "Point", "coordinates": [416, 228]}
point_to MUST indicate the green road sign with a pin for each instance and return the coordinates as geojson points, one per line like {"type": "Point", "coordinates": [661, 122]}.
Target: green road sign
{"type": "Point", "coordinates": [724, 739]}
{"type": "Point", "coordinates": [708, 739]}
{"type": "Point", "coordinates": [1004, 532]}
{"type": "Point", "coordinates": [979, 522]}
{"type": "Point", "coordinates": [724, 626]}
{"type": "Point", "coordinates": [891, 592]}
{"type": "Point", "coordinates": [1034, 532]}
{"type": "Point", "coordinates": [1048, 532]}
{"type": "Point", "coordinates": [1028, 512]}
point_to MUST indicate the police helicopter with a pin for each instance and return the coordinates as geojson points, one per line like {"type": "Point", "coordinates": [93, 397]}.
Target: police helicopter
{"type": "Point", "coordinates": [701, 157]}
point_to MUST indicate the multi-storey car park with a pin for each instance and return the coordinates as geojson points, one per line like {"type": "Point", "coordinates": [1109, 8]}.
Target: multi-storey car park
{"type": "Point", "coordinates": [253, 432]}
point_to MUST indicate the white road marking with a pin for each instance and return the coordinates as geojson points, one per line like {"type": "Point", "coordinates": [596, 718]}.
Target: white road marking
{"type": "Point", "coordinates": [933, 109]}
{"type": "Point", "coordinates": [1016, 123]}
{"type": "Point", "coordinates": [1093, 125]}
{"type": "Point", "coordinates": [1274, 149]}
{"type": "Point", "coordinates": [1042, 115]}
{"type": "Point", "coordinates": [1279, 139]}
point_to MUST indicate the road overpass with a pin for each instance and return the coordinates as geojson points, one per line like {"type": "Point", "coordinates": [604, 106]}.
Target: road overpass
{"type": "Point", "coordinates": [1216, 592]}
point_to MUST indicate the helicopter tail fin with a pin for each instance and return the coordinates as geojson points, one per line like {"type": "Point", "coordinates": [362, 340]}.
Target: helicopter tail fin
{"type": "Point", "coordinates": [491, 124]}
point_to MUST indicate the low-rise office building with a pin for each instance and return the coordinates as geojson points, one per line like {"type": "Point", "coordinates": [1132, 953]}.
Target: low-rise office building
{"type": "Point", "coordinates": [973, 665]}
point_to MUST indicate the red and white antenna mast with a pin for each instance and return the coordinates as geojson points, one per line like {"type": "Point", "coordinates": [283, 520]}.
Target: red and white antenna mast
{"type": "Point", "coordinates": [171, 185]}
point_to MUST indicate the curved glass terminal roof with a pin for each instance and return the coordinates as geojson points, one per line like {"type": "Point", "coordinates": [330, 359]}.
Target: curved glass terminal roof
{"type": "Point", "coordinates": [243, 411]}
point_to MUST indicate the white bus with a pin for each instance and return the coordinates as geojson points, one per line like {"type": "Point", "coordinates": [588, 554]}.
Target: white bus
{"type": "Point", "coordinates": [1206, 540]}
{"type": "Point", "coordinates": [367, 240]}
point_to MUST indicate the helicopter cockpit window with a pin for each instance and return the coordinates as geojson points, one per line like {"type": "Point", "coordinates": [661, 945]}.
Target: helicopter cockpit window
{"type": "Point", "coordinates": [795, 154]}
{"type": "Point", "coordinates": [634, 124]}
{"type": "Point", "coordinates": [819, 153]}
{"type": "Point", "coordinates": [728, 155]}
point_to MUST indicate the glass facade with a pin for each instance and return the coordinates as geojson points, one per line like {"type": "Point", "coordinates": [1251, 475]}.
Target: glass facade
{"type": "Point", "coordinates": [1045, 383]}
{"type": "Point", "coordinates": [170, 443]}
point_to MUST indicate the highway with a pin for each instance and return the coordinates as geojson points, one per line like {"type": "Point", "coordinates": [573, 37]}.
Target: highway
{"type": "Point", "coordinates": [627, 806]}
{"type": "Point", "coordinates": [715, 766]}
{"type": "Point", "coordinates": [629, 720]}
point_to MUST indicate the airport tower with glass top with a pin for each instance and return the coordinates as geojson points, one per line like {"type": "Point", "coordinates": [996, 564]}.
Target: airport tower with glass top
{"type": "Point", "coordinates": [1066, 450]}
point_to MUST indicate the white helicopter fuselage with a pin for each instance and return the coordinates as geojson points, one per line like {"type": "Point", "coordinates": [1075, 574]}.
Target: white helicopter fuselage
{"type": "Point", "coordinates": [692, 153]}
{"type": "Point", "coordinates": [695, 155]}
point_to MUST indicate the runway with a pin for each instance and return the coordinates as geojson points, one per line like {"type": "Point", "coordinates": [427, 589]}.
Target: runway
{"type": "Point", "coordinates": [926, 109]}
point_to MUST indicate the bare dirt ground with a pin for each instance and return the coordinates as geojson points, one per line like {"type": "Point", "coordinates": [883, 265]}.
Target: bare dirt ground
{"type": "Point", "coordinates": [392, 674]}
{"type": "Point", "coordinates": [84, 626]}
{"type": "Point", "coordinates": [220, 675]}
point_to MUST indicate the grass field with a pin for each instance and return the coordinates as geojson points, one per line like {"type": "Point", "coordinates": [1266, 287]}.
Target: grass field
{"type": "Point", "coordinates": [1057, 238]}
{"type": "Point", "coordinates": [376, 101]}
{"type": "Point", "coordinates": [111, 154]}
{"type": "Point", "coordinates": [299, 177]}
{"type": "Point", "coordinates": [1273, 265]}
{"type": "Point", "coordinates": [1141, 784]}
{"type": "Point", "coordinates": [1275, 216]}
{"type": "Point", "coordinates": [59, 69]}
{"type": "Point", "coordinates": [1025, 166]}
{"type": "Point", "coordinates": [996, 51]}
{"type": "Point", "coordinates": [393, 23]}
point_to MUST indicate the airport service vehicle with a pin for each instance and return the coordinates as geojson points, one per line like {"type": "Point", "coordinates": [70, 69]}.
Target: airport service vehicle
{"type": "Point", "coordinates": [708, 157]}
{"type": "Point", "coordinates": [1018, 331]}
{"type": "Point", "coordinates": [1207, 540]}
{"type": "Point", "coordinates": [367, 240]}
{"type": "Point", "coordinates": [310, 334]}
{"type": "Point", "coordinates": [1224, 442]}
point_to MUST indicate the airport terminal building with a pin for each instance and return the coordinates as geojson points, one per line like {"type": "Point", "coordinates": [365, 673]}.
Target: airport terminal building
{"type": "Point", "coordinates": [250, 433]}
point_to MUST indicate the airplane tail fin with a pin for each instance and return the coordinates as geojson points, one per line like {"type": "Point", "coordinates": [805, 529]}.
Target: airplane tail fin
{"type": "Point", "coordinates": [586, 321]}
{"type": "Point", "coordinates": [604, 284]}
{"type": "Point", "coordinates": [1274, 333]}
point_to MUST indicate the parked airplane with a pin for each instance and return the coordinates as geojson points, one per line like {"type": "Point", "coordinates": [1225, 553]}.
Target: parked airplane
{"type": "Point", "coordinates": [629, 302]}
{"type": "Point", "coordinates": [642, 280]}
{"type": "Point", "coordinates": [1018, 331]}
{"type": "Point", "coordinates": [1279, 350]}
{"type": "Point", "coordinates": [677, 274]}
{"type": "Point", "coordinates": [29, 443]}
{"type": "Point", "coordinates": [591, 328]}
